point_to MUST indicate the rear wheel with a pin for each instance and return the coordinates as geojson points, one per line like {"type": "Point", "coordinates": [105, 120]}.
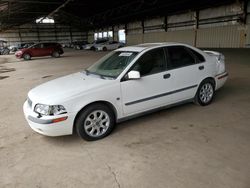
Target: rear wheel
{"type": "Point", "coordinates": [205, 93]}
{"type": "Point", "coordinates": [26, 57]}
{"type": "Point", "coordinates": [95, 122]}
{"type": "Point", "coordinates": [56, 54]}
{"type": "Point", "coordinates": [105, 49]}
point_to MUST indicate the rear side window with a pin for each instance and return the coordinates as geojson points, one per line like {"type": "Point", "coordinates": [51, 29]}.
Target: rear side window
{"type": "Point", "coordinates": [178, 57]}
{"type": "Point", "coordinates": [198, 56]}
{"type": "Point", "coordinates": [47, 45]}
{"type": "Point", "coordinates": [151, 62]}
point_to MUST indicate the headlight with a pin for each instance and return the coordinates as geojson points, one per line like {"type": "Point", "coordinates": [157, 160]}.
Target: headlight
{"type": "Point", "coordinates": [18, 52]}
{"type": "Point", "coordinates": [49, 110]}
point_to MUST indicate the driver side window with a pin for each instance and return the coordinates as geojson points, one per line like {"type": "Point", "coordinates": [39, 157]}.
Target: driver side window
{"type": "Point", "coordinates": [151, 62]}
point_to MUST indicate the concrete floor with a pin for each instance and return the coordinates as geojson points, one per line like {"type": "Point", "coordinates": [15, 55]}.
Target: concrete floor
{"type": "Point", "coordinates": [183, 147]}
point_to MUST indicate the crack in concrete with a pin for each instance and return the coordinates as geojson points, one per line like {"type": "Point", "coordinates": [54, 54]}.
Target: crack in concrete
{"type": "Point", "coordinates": [109, 168]}
{"type": "Point", "coordinates": [114, 175]}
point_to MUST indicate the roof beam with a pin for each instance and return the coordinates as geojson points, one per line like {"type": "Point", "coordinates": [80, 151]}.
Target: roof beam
{"type": "Point", "coordinates": [32, 2]}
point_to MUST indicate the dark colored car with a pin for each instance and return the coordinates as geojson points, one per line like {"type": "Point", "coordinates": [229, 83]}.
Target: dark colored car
{"type": "Point", "coordinates": [41, 49]}
{"type": "Point", "coordinates": [4, 50]}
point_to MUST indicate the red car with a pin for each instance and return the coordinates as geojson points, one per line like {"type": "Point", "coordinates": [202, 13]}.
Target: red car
{"type": "Point", "coordinates": [40, 49]}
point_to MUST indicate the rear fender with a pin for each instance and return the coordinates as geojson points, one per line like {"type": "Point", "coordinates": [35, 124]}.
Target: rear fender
{"type": "Point", "coordinates": [220, 61]}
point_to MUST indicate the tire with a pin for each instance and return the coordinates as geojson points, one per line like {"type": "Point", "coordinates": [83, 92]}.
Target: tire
{"type": "Point", "coordinates": [6, 52]}
{"type": "Point", "coordinates": [205, 93]}
{"type": "Point", "coordinates": [26, 57]}
{"type": "Point", "coordinates": [56, 54]}
{"type": "Point", "coordinates": [95, 122]}
{"type": "Point", "coordinates": [105, 49]}
{"type": "Point", "coordinates": [92, 48]}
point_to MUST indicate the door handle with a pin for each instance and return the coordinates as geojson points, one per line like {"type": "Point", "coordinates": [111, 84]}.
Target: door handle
{"type": "Point", "coordinates": [166, 76]}
{"type": "Point", "coordinates": [201, 67]}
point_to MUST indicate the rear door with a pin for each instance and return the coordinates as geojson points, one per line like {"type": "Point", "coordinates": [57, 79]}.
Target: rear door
{"type": "Point", "coordinates": [187, 70]}
{"type": "Point", "coordinates": [48, 49]}
{"type": "Point", "coordinates": [113, 45]}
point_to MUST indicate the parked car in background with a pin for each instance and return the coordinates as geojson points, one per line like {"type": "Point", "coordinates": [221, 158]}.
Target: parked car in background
{"type": "Point", "coordinates": [66, 45]}
{"type": "Point", "coordinates": [110, 45]}
{"type": "Point", "coordinates": [126, 83]}
{"type": "Point", "coordinates": [14, 48]}
{"type": "Point", "coordinates": [41, 49]}
{"type": "Point", "coordinates": [4, 50]}
{"type": "Point", "coordinates": [92, 46]}
{"type": "Point", "coordinates": [79, 45]}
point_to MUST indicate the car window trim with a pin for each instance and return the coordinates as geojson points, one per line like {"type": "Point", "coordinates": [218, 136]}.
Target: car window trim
{"type": "Point", "coordinates": [195, 57]}
{"type": "Point", "coordinates": [123, 79]}
{"type": "Point", "coordinates": [188, 51]}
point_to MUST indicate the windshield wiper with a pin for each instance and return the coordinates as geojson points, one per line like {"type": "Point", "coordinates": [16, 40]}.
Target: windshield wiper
{"type": "Point", "coordinates": [101, 76]}
{"type": "Point", "coordinates": [88, 73]}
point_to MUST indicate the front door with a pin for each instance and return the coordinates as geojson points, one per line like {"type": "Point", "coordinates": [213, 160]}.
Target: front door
{"type": "Point", "coordinates": [151, 90]}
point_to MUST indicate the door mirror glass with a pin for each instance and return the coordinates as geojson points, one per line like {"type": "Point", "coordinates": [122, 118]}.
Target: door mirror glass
{"type": "Point", "coordinates": [134, 75]}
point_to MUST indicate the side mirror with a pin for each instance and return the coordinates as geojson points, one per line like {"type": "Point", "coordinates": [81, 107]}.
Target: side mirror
{"type": "Point", "coordinates": [134, 75]}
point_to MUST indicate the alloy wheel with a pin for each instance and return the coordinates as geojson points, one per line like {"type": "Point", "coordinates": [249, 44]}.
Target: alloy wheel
{"type": "Point", "coordinates": [206, 93]}
{"type": "Point", "coordinates": [97, 123]}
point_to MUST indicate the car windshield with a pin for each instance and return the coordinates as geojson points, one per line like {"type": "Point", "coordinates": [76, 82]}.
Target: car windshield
{"type": "Point", "coordinates": [112, 64]}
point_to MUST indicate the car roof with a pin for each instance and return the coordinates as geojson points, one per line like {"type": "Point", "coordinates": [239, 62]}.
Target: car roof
{"type": "Point", "coordinates": [144, 46]}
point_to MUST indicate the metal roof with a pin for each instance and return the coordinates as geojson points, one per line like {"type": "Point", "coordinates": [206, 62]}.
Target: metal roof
{"type": "Point", "coordinates": [94, 14]}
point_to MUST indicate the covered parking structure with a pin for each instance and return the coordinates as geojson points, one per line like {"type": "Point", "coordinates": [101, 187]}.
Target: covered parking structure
{"type": "Point", "coordinates": [186, 146]}
{"type": "Point", "coordinates": [226, 22]}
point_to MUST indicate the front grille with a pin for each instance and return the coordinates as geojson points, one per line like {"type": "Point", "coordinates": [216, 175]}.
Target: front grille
{"type": "Point", "coordinates": [29, 102]}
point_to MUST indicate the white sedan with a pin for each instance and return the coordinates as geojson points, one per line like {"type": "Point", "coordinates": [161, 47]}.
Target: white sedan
{"type": "Point", "coordinates": [111, 45]}
{"type": "Point", "coordinates": [126, 83]}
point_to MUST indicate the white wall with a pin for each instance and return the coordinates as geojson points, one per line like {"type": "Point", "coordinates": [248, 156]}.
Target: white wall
{"type": "Point", "coordinates": [182, 28]}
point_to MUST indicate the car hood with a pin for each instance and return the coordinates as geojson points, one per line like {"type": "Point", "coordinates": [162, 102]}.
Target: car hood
{"type": "Point", "coordinates": [66, 87]}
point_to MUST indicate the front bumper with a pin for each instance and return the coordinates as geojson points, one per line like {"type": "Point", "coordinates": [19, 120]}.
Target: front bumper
{"type": "Point", "coordinates": [221, 80]}
{"type": "Point", "coordinates": [45, 125]}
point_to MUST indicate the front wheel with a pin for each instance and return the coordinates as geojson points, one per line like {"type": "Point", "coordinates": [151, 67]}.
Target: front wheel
{"type": "Point", "coordinates": [205, 93]}
{"type": "Point", "coordinates": [55, 54]}
{"type": "Point", "coordinates": [26, 57]}
{"type": "Point", "coordinates": [95, 122]}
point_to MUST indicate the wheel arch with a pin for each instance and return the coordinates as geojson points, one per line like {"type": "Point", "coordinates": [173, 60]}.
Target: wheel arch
{"type": "Point", "coordinates": [106, 103]}
{"type": "Point", "coordinates": [211, 79]}
{"type": "Point", "coordinates": [28, 52]}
